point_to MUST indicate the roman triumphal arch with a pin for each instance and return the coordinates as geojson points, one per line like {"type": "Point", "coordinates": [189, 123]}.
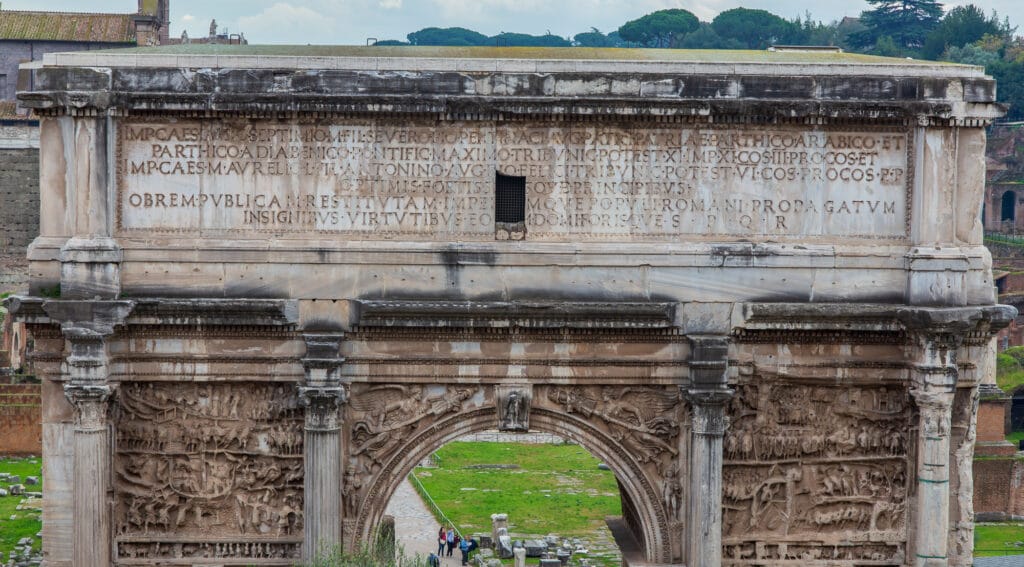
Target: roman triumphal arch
{"type": "Point", "coordinates": [270, 280]}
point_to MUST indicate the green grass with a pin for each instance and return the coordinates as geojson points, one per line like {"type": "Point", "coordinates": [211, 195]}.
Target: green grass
{"type": "Point", "coordinates": [27, 522]}
{"type": "Point", "coordinates": [1015, 437]}
{"type": "Point", "coordinates": [998, 539]}
{"type": "Point", "coordinates": [556, 489]}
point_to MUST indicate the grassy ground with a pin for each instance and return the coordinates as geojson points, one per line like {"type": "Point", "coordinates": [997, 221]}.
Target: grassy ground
{"type": "Point", "coordinates": [26, 523]}
{"type": "Point", "coordinates": [998, 539]}
{"type": "Point", "coordinates": [1015, 437]}
{"type": "Point", "coordinates": [556, 489]}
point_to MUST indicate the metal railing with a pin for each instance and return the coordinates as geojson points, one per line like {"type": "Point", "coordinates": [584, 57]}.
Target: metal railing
{"type": "Point", "coordinates": [434, 508]}
{"type": "Point", "coordinates": [1003, 238]}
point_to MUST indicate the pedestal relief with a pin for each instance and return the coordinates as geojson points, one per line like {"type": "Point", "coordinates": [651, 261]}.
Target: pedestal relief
{"type": "Point", "coordinates": [217, 466]}
{"type": "Point", "coordinates": [816, 473]}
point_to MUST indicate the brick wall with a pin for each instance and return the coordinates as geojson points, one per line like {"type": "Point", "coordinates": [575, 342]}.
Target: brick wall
{"type": "Point", "coordinates": [992, 420]}
{"type": "Point", "coordinates": [20, 420]}
{"type": "Point", "coordinates": [19, 214]}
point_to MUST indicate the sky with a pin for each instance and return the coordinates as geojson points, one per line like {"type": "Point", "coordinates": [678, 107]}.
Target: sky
{"type": "Point", "coordinates": [352, 22]}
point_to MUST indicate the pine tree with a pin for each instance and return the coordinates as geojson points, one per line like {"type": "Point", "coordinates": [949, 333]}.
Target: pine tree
{"type": "Point", "coordinates": [907, 22]}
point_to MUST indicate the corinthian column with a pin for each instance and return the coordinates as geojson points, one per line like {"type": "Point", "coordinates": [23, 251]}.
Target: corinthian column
{"type": "Point", "coordinates": [86, 326]}
{"type": "Point", "coordinates": [322, 396]}
{"type": "Point", "coordinates": [708, 394]}
{"type": "Point", "coordinates": [91, 483]}
{"type": "Point", "coordinates": [938, 334]}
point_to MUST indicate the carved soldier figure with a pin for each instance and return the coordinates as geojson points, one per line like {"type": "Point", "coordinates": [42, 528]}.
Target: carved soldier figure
{"type": "Point", "coordinates": [513, 410]}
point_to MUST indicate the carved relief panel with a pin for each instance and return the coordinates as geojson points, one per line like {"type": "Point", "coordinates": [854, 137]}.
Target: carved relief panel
{"type": "Point", "coordinates": [382, 420]}
{"type": "Point", "coordinates": [645, 427]}
{"type": "Point", "coordinates": [218, 465]}
{"type": "Point", "coordinates": [815, 473]}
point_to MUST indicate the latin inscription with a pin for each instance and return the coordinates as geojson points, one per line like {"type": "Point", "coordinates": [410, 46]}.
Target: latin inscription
{"type": "Point", "coordinates": [386, 180]}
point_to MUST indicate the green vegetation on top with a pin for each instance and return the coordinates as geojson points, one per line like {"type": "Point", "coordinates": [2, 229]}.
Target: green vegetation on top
{"type": "Point", "coordinates": [912, 30]}
{"type": "Point", "coordinates": [484, 52]}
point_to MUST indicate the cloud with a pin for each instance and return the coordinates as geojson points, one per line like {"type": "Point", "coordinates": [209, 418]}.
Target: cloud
{"type": "Point", "coordinates": [188, 18]}
{"type": "Point", "coordinates": [286, 23]}
{"type": "Point", "coordinates": [391, 4]}
{"type": "Point", "coordinates": [489, 8]}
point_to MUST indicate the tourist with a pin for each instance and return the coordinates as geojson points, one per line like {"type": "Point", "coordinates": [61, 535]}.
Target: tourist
{"type": "Point", "coordinates": [442, 539]}
{"type": "Point", "coordinates": [450, 540]}
{"type": "Point", "coordinates": [433, 560]}
{"type": "Point", "coordinates": [464, 549]}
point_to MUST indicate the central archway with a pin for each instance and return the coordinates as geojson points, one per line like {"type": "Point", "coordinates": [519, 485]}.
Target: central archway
{"type": "Point", "coordinates": [654, 532]}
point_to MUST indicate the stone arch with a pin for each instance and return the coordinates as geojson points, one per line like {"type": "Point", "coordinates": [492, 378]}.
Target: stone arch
{"type": "Point", "coordinates": [637, 487]}
{"type": "Point", "coordinates": [1008, 206]}
{"type": "Point", "coordinates": [1017, 409]}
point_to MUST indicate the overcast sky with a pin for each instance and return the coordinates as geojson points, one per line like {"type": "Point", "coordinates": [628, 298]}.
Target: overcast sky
{"type": "Point", "coordinates": [353, 21]}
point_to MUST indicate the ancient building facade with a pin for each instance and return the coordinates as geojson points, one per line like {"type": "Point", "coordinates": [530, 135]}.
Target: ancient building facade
{"type": "Point", "coordinates": [266, 287]}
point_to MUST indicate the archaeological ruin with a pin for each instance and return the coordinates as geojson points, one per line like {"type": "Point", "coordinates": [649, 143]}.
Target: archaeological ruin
{"type": "Point", "coordinates": [270, 280]}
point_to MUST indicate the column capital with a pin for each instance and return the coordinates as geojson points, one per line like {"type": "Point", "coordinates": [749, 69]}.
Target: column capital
{"type": "Point", "coordinates": [708, 411]}
{"type": "Point", "coordinates": [90, 402]}
{"type": "Point", "coordinates": [936, 399]}
{"type": "Point", "coordinates": [322, 404]}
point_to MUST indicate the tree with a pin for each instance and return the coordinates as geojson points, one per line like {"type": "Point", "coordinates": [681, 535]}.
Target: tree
{"type": "Point", "coordinates": [448, 36]}
{"type": "Point", "coordinates": [906, 22]}
{"type": "Point", "coordinates": [592, 38]}
{"type": "Point", "coordinates": [658, 29]}
{"type": "Point", "coordinates": [1003, 58]}
{"type": "Point", "coordinates": [755, 29]}
{"type": "Point", "coordinates": [961, 26]}
{"type": "Point", "coordinates": [527, 40]}
{"type": "Point", "coordinates": [706, 38]}
{"type": "Point", "coordinates": [810, 32]}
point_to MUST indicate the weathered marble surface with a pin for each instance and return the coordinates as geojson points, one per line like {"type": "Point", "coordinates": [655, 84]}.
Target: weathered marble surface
{"type": "Point", "coordinates": [377, 179]}
{"type": "Point", "coordinates": [756, 289]}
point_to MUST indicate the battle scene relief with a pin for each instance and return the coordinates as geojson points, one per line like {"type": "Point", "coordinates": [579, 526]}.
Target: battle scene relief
{"type": "Point", "coordinates": [218, 465]}
{"type": "Point", "coordinates": [815, 473]}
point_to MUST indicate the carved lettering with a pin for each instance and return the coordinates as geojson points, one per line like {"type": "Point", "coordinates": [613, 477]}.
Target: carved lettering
{"type": "Point", "coordinates": [596, 182]}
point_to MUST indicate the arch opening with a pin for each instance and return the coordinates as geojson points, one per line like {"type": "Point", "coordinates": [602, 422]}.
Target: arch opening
{"type": "Point", "coordinates": [639, 500]}
{"type": "Point", "coordinates": [1008, 209]}
{"type": "Point", "coordinates": [1017, 410]}
{"type": "Point", "coordinates": [543, 483]}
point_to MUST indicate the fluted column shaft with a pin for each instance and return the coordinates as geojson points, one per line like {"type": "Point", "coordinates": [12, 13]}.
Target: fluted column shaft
{"type": "Point", "coordinates": [934, 378]}
{"type": "Point", "coordinates": [91, 482]}
{"type": "Point", "coordinates": [322, 396]}
{"type": "Point", "coordinates": [708, 394]}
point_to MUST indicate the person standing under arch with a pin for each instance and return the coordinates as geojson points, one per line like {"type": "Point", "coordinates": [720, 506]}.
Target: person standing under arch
{"type": "Point", "coordinates": [450, 540]}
